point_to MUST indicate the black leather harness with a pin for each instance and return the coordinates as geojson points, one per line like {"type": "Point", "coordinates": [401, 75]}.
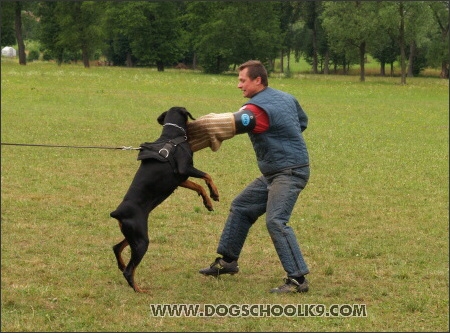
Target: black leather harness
{"type": "Point", "coordinates": [161, 151]}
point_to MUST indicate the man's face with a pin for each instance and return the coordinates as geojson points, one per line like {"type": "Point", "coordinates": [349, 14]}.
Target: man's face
{"type": "Point", "coordinates": [248, 86]}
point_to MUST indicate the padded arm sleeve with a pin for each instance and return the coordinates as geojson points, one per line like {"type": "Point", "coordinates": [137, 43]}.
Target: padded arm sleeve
{"type": "Point", "coordinates": [211, 129]}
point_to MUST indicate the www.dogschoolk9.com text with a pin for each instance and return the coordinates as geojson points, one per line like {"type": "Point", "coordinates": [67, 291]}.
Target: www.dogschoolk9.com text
{"type": "Point", "coordinates": [258, 310]}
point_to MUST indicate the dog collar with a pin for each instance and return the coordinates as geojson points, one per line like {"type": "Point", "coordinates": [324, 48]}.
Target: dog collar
{"type": "Point", "coordinates": [175, 125]}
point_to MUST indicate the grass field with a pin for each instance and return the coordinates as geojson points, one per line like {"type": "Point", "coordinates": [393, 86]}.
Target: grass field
{"type": "Point", "coordinates": [372, 222]}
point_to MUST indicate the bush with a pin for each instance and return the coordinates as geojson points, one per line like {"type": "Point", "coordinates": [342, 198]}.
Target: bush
{"type": "Point", "coordinates": [47, 56]}
{"type": "Point", "coordinates": [33, 55]}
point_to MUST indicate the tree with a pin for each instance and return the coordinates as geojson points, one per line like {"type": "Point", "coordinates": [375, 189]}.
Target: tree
{"type": "Point", "coordinates": [193, 20]}
{"type": "Point", "coordinates": [312, 41]}
{"type": "Point", "coordinates": [145, 33]}
{"type": "Point", "coordinates": [438, 52]}
{"type": "Point", "coordinates": [118, 48]}
{"type": "Point", "coordinates": [418, 24]}
{"type": "Point", "coordinates": [288, 13]}
{"type": "Point", "coordinates": [386, 51]}
{"type": "Point", "coordinates": [72, 27]}
{"type": "Point", "coordinates": [81, 25]}
{"type": "Point", "coordinates": [49, 30]}
{"type": "Point", "coordinates": [406, 22]}
{"type": "Point", "coordinates": [232, 32]}
{"type": "Point", "coordinates": [7, 24]}
{"type": "Point", "coordinates": [219, 34]}
{"type": "Point", "coordinates": [311, 11]}
{"type": "Point", "coordinates": [401, 41]}
{"type": "Point", "coordinates": [354, 31]}
{"type": "Point", "coordinates": [30, 21]}
{"type": "Point", "coordinates": [209, 41]}
{"type": "Point", "coordinates": [18, 30]}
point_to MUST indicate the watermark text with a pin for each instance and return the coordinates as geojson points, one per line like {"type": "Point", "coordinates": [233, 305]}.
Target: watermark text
{"type": "Point", "coordinates": [258, 310]}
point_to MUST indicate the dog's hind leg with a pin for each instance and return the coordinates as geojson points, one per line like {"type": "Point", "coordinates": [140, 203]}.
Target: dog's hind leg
{"type": "Point", "coordinates": [136, 236]}
{"type": "Point", "coordinates": [138, 250]}
{"type": "Point", "coordinates": [118, 248]}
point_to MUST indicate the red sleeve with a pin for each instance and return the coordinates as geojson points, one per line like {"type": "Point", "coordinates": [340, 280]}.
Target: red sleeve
{"type": "Point", "coordinates": [262, 119]}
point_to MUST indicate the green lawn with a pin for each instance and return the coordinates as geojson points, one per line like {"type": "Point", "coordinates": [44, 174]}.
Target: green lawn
{"type": "Point", "coordinates": [372, 222]}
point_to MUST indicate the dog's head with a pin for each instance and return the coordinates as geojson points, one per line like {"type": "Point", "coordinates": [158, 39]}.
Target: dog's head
{"type": "Point", "coordinates": [173, 116]}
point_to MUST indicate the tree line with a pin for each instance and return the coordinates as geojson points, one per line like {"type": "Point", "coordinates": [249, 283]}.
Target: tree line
{"type": "Point", "coordinates": [215, 36]}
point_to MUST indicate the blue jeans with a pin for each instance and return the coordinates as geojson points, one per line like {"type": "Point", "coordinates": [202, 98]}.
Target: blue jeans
{"type": "Point", "coordinates": [276, 196]}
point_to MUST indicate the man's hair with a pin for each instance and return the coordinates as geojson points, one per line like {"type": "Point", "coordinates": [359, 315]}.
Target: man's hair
{"type": "Point", "coordinates": [255, 69]}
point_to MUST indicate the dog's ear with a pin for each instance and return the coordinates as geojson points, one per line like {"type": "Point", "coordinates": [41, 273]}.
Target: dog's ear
{"type": "Point", "coordinates": [190, 116]}
{"type": "Point", "coordinates": [162, 117]}
{"type": "Point", "coordinates": [187, 113]}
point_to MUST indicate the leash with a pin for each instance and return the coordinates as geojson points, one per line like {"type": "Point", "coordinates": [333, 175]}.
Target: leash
{"type": "Point", "coordinates": [62, 146]}
{"type": "Point", "coordinates": [93, 147]}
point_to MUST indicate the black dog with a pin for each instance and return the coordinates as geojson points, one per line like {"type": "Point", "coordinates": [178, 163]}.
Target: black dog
{"type": "Point", "coordinates": [165, 164]}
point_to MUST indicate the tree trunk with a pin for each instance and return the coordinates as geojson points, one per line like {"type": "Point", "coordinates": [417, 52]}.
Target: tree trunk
{"type": "Point", "coordinates": [383, 69]}
{"type": "Point", "coordinates": [444, 70]}
{"type": "Point", "coordinates": [326, 69]}
{"type": "Point", "coordinates": [444, 26]}
{"type": "Point", "coordinates": [160, 66]}
{"type": "Point", "coordinates": [60, 58]}
{"type": "Point", "coordinates": [403, 64]}
{"type": "Point", "coordinates": [402, 44]}
{"type": "Point", "coordinates": [218, 64]}
{"type": "Point", "coordinates": [194, 61]}
{"type": "Point", "coordinates": [412, 53]}
{"type": "Point", "coordinates": [18, 30]}
{"type": "Point", "coordinates": [314, 44]}
{"type": "Point", "coordinates": [362, 53]}
{"type": "Point", "coordinates": [282, 61]}
{"type": "Point", "coordinates": [129, 60]}
{"type": "Point", "coordinates": [85, 57]}
{"type": "Point", "coordinates": [289, 61]}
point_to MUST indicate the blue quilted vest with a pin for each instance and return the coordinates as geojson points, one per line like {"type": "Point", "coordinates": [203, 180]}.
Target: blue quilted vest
{"type": "Point", "coordinates": [282, 146]}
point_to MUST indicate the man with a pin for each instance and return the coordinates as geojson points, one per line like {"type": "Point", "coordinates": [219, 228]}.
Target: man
{"type": "Point", "coordinates": [275, 128]}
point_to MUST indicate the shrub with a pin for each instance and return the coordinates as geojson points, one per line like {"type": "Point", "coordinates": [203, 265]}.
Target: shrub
{"type": "Point", "coordinates": [33, 55]}
{"type": "Point", "coordinates": [46, 56]}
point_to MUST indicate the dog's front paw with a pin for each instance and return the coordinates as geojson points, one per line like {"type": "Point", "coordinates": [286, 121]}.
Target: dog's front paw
{"type": "Point", "coordinates": [215, 197]}
{"type": "Point", "coordinates": [207, 203]}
